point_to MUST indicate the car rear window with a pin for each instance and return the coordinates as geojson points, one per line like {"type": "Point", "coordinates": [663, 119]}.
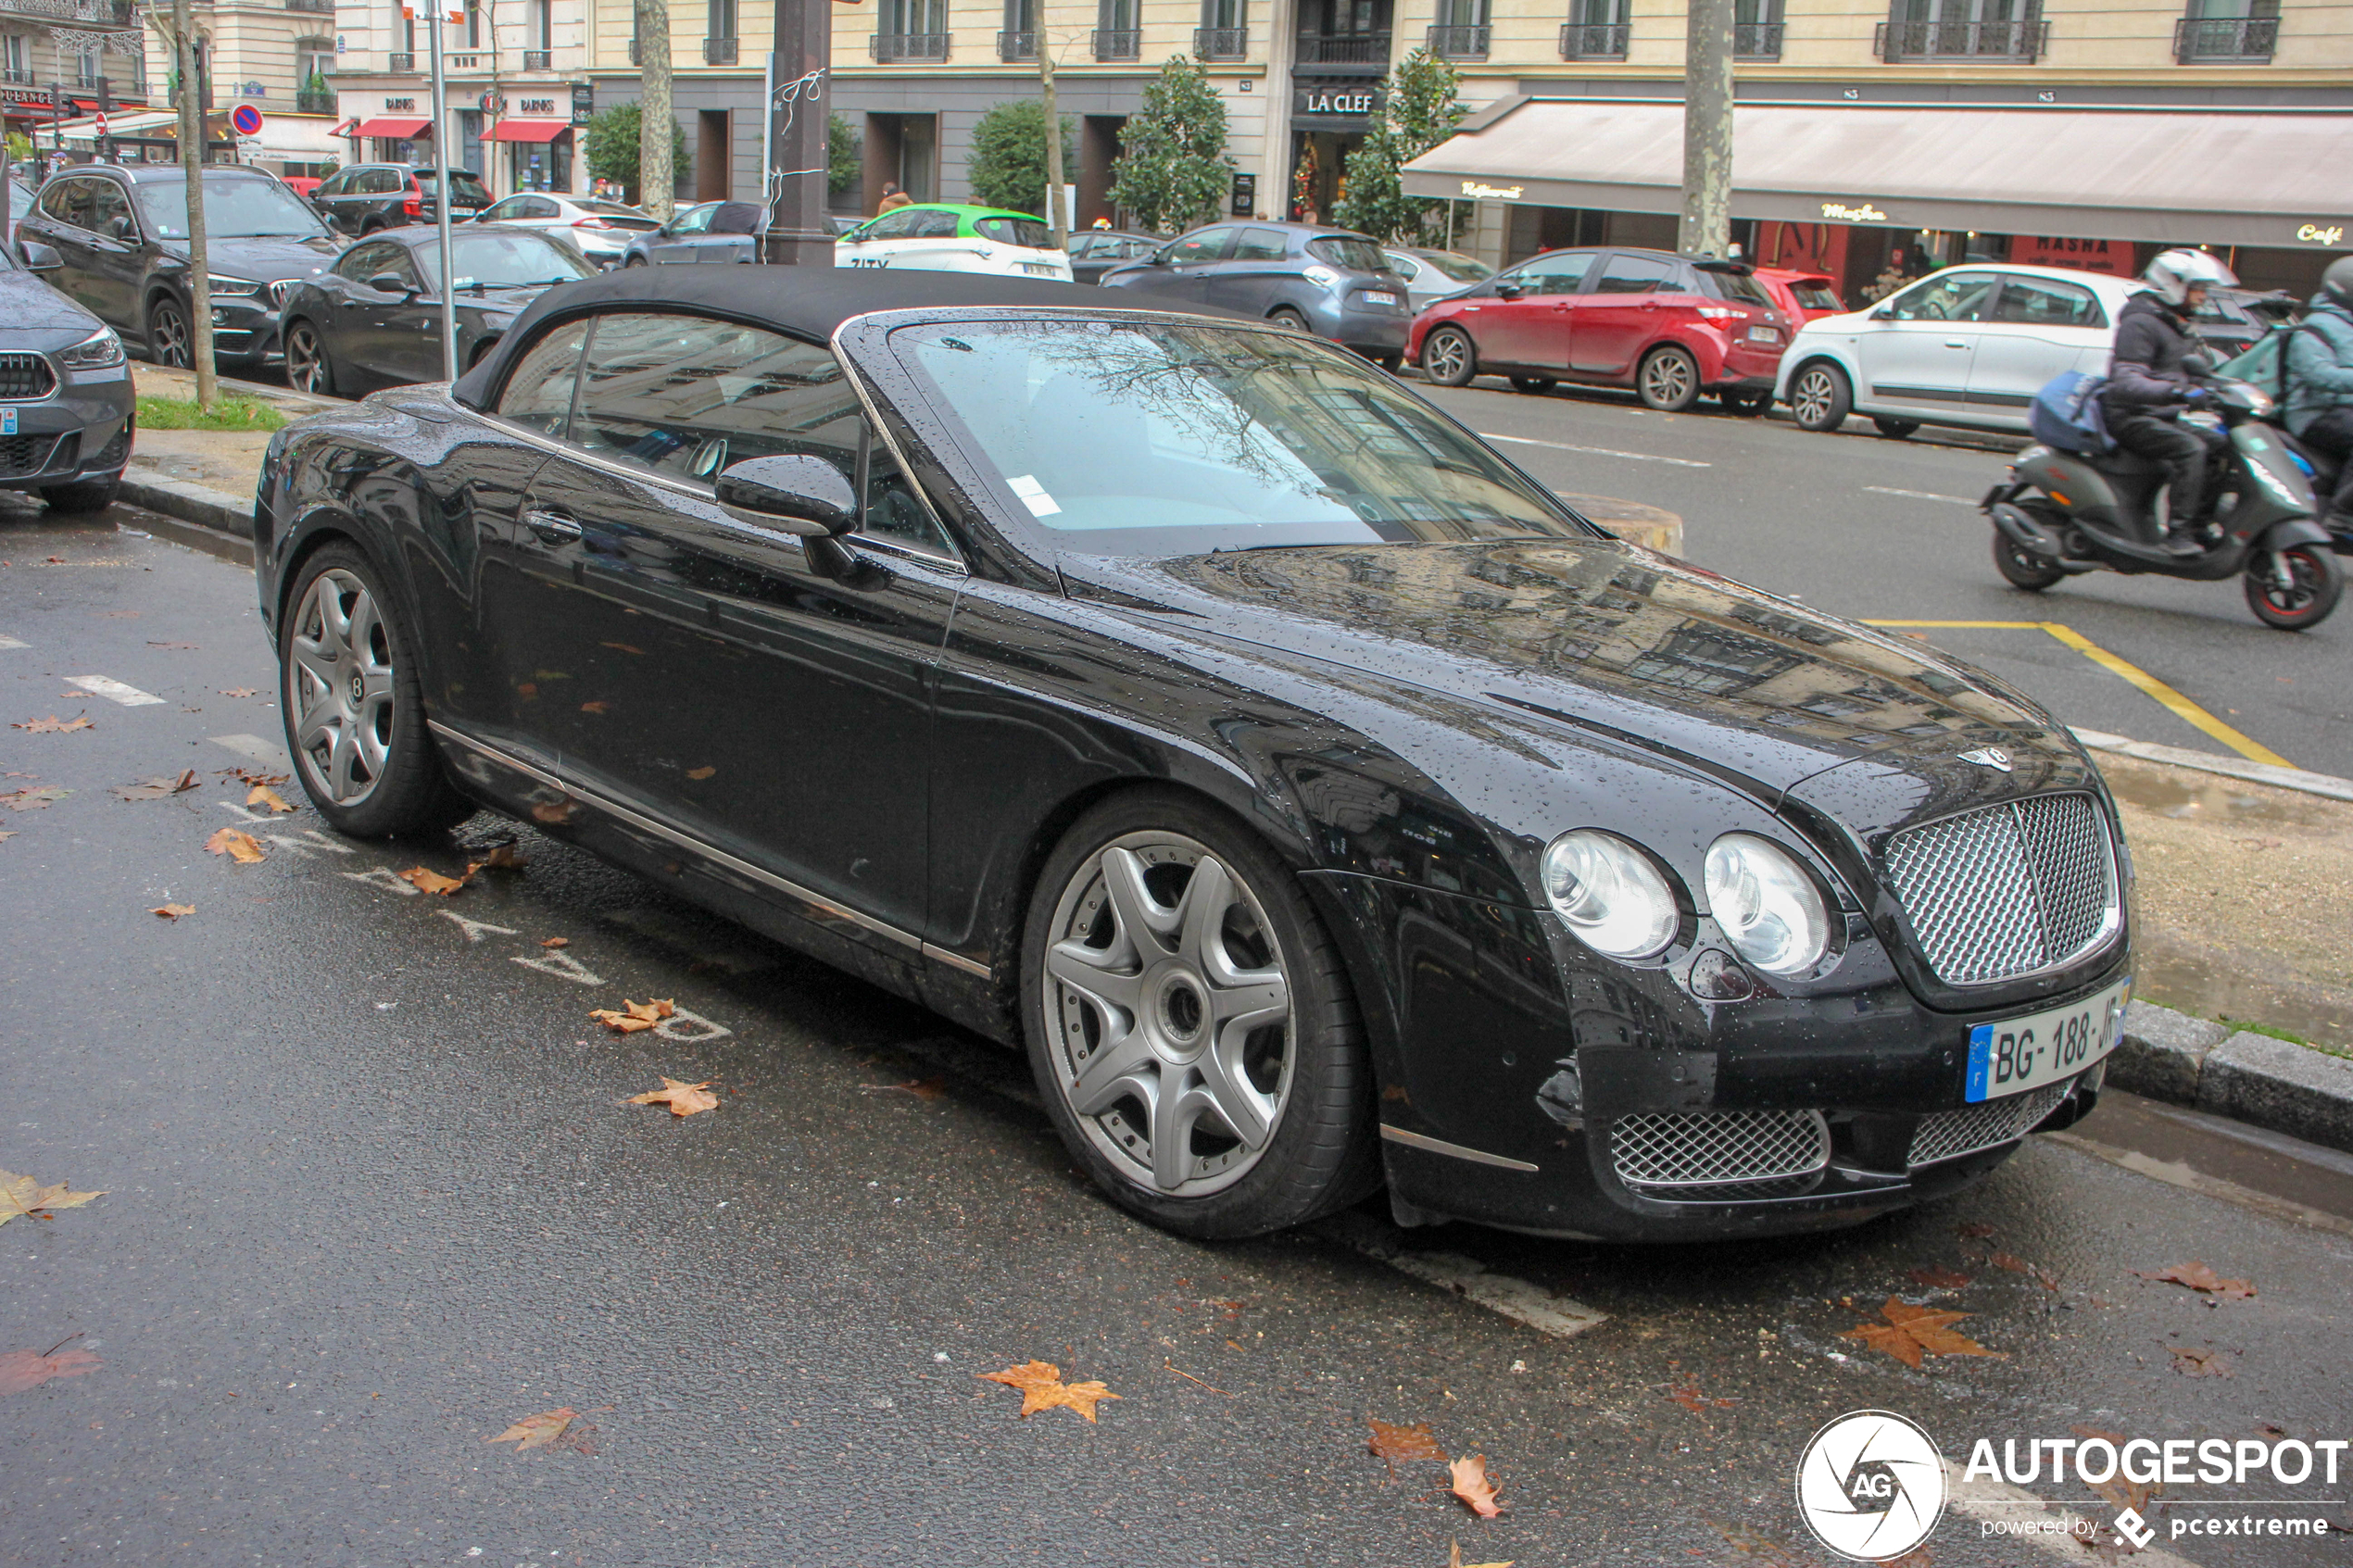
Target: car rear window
{"type": "Point", "coordinates": [1735, 285]}
{"type": "Point", "coordinates": [1358, 255]}
{"type": "Point", "coordinates": [1462, 269]}
{"type": "Point", "coordinates": [1028, 233]}
{"type": "Point", "coordinates": [465, 186]}
{"type": "Point", "coordinates": [1812, 296]}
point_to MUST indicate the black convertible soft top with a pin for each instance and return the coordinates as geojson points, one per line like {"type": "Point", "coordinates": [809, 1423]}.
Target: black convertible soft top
{"type": "Point", "coordinates": [808, 302]}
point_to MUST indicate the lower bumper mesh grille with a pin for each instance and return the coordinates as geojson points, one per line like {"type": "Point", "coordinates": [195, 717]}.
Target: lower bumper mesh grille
{"type": "Point", "coordinates": [22, 455]}
{"type": "Point", "coordinates": [1948, 1134]}
{"type": "Point", "coordinates": [1710, 1148]}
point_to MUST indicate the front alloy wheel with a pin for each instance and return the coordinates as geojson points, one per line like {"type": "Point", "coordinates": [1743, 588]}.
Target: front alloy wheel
{"type": "Point", "coordinates": [169, 338]}
{"type": "Point", "coordinates": [1819, 398]}
{"type": "Point", "coordinates": [1448, 358]}
{"type": "Point", "coordinates": [307, 365]}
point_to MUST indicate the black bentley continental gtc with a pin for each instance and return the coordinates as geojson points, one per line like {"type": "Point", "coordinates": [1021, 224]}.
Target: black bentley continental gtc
{"type": "Point", "coordinates": [1315, 799]}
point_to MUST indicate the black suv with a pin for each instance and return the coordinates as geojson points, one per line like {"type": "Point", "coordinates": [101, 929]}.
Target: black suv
{"type": "Point", "coordinates": [368, 197]}
{"type": "Point", "coordinates": [122, 237]}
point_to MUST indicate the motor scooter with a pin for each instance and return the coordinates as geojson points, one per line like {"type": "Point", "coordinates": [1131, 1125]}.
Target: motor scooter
{"type": "Point", "coordinates": [2322, 469]}
{"type": "Point", "coordinates": [2060, 514]}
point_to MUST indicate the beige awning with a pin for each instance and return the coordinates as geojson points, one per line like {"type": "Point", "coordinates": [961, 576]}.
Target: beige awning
{"type": "Point", "coordinates": [2268, 177]}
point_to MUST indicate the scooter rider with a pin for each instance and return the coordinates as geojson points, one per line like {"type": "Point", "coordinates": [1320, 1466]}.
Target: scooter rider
{"type": "Point", "coordinates": [2320, 384]}
{"type": "Point", "coordinates": [2149, 383]}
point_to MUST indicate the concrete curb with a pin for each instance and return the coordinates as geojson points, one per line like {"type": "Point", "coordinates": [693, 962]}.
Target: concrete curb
{"type": "Point", "coordinates": [2251, 1078]}
{"type": "Point", "coordinates": [185, 500]}
{"type": "Point", "coordinates": [2229, 767]}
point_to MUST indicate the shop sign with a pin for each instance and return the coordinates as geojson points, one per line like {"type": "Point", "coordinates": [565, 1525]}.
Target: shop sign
{"type": "Point", "coordinates": [1337, 103]}
{"type": "Point", "coordinates": [1479, 193]}
{"type": "Point", "coordinates": [2113, 258]}
{"type": "Point", "coordinates": [2321, 234]}
{"type": "Point", "coordinates": [535, 108]}
{"type": "Point", "coordinates": [1861, 212]}
{"type": "Point", "coordinates": [583, 103]}
{"type": "Point", "coordinates": [400, 106]}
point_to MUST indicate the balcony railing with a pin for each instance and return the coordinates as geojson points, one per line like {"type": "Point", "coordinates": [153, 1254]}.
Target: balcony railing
{"type": "Point", "coordinates": [1757, 40]}
{"type": "Point", "coordinates": [314, 103]}
{"type": "Point", "coordinates": [1017, 43]}
{"type": "Point", "coordinates": [1595, 41]}
{"type": "Point", "coordinates": [1119, 43]}
{"type": "Point", "coordinates": [16, 78]}
{"type": "Point", "coordinates": [538, 60]}
{"type": "Point", "coordinates": [1344, 49]}
{"type": "Point", "coordinates": [911, 45]}
{"type": "Point", "coordinates": [398, 63]}
{"type": "Point", "coordinates": [2019, 41]}
{"type": "Point", "coordinates": [325, 7]}
{"type": "Point", "coordinates": [2239, 39]}
{"type": "Point", "coordinates": [1459, 42]}
{"type": "Point", "coordinates": [719, 51]}
{"type": "Point", "coordinates": [104, 13]}
{"type": "Point", "coordinates": [1221, 43]}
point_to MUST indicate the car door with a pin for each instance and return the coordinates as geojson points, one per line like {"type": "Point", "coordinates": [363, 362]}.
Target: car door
{"type": "Point", "coordinates": [2037, 328]}
{"type": "Point", "coordinates": [674, 241]}
{"type": "Point", "coordinates": [1917, 347]}
{"type": "Point", "coordinates": [1620, 314]}
{"type": "Point", "coordinates": [804, 753]}
{"type": "Point", "coordinates": [62, 223]}
{"type": "Point", "coordinates": [874, 244]}
{"type": "Point", "coordinates": [332, 200]}
{"type": "Point", "coordinates": [377, 324]}
{"type": "Point", "coordinates": [1181, 275]}
{"type": "Point", "coordinates": [933, 243]}
{"type": "Point", "coordinates": [117, 260]}
{"type": "Point", "coordinates": [1255, 269]}
{"type": "Point", "coordinates": [1532, 327]}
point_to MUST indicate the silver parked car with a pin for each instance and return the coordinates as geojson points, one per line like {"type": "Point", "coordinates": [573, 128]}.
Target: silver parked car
{"type": "Point", "coordinates": [66, 401]}
{"type": "Point", "coordinates": [598, 229]}
{"type": "Point", "coordinates": [1329, 282]}
{"type": "Point", "coordinates": [1433, 275]}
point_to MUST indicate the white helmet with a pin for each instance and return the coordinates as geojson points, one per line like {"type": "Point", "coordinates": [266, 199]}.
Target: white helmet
{"type": "Point", "coordinates": [2175, 272]}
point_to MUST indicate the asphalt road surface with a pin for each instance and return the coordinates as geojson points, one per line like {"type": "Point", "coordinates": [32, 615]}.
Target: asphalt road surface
{"type": "Point", "coordinates": [373, 1194]}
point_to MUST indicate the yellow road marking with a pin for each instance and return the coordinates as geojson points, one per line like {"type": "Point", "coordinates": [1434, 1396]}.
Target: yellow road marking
{"type": "Point", "coordinates": [2190, 712]}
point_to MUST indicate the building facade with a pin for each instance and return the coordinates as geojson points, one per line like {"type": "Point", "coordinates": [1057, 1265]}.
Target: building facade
{"type": "Point", "coordinates": [90, 54]}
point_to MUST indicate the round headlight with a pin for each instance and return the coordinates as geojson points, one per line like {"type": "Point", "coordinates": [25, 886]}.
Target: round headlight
{"type": "Point", "coordinates": [1610, 893]}
{"type": "Point", "coordinates": [1770, 909]}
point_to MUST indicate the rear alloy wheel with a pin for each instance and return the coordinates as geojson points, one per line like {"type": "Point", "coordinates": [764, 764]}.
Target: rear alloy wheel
{"type": "Point", "coordinates": [169, 338]}
{"type": "Point", "coordinates": [1895, 430]}
{"type": "Point", "coordinates": [2302, 598]}
{"type": "Point", "coordinates": [1448, 358]}
{"type": "Point", "coordinates": [1533, 385]}
{"type": "Point", "coordinates": [307, 366]}
{"type": "Point", "coordinates": [1668, 379]}
{"type": "Point", "coordinates": [1189, 1023]}
{"type": "Point", "coordinates": [1284, 316]}
{"type": "Point", "coordinates": [1820, 399]}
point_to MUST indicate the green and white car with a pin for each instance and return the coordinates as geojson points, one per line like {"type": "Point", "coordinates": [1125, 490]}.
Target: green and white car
{"type": "Point", "coordinates": [951, 237]}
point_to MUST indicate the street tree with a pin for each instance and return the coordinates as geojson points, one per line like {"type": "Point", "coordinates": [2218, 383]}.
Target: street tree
{"type": "Point", "coordinates": [614, 141]}
{"type": "Point", "coordinates": [843, 155]}
{"type": "Point", "coordinates": [1423, 109]}
{"type": "Point", "coordinates": [656, 179]}
{"type": "Point", "coordinates": [1173, 171]}
{"type": "Point", "coordinates": [188, 61]}
{"type": "Point", "coordinates": [1008, 165]}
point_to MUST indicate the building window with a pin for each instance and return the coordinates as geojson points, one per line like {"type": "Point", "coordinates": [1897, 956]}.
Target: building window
{"type": "Point", "coordinates": [1116, 35]}
{"type": "Point", "coordinates": [16, 62]}
{"type": "Point", "coordinates": [1597, 30]}
{"type": "Point", "coordinates": [1757, 29]}
{"type": "Point", "coordinates": [539, 25]}
{"type": "Point", "coordinates": [1344, 32]}
{"type": "Point", "coordinates": [314, 58]}
{"type": "Point", "coordinates": [2228, 31]}
{"type": "Point", "coordinates": [1019, 39]}
{"type": "Point", "coordinates": [89, 65]}
{"type": "Point", "coordinates": [912, 30]}
{"type": "Point", "coordinates": [1964, 29]}
{"type": "Point", "coordinates": [719, 41]}
{"type": "Point", "coordinates": [473, 27]}
{"type": "Point", "coordinates": [1223, 33]}
{"type": "Point", "coordinates": [1460, 32]}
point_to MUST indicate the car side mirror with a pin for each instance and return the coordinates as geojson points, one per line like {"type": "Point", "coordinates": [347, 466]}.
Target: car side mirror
{"type": "Point", "coordinates": [122, 228]}
{"type": "Point", "coordinates": [1509, 291]}
{"type": "Point", "coordinates": [798, 493]}
{"type": "Point", "coordinates": [39, 257]}
{"type": "Point", "coordinates": [390, 283]}
{"type": "Point", "coordinates": [1884, 313]}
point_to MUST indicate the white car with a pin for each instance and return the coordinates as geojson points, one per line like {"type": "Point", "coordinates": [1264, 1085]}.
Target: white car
{"type": "Point", "coordinates": [948, 237]}
{"type": "Point", "coordinates": [1433, 275]}
{"type": "Point", "coordinates": [598, 229]}
{"type": "Point", "coordinates": [1968, 345]}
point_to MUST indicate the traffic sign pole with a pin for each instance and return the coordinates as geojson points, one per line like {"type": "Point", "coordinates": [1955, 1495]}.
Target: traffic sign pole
{"type": "Point", "coordinates": [441, 177]}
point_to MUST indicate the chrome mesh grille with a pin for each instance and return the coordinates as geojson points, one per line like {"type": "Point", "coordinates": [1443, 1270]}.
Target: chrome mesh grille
{"type": "Point", "coordinates": [2007, 889]}
{"type": "Point", "coordinates": [1701, 1149]}
{"type": "Point", "coordinates": [1948, 1134]}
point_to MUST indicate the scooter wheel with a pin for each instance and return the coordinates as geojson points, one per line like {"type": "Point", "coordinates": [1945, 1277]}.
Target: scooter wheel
{"type": "Point", "coordinates": [2021, 567]}
{"type": "Point", "coordinates": [2314, 583]}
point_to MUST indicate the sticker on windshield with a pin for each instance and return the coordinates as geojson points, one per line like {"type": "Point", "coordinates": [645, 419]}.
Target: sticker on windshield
{"type": "Point", "coordinates": [1033, 495]}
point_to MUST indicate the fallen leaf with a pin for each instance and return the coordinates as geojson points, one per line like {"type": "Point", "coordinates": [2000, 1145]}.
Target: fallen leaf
{"type": "Point", "coordinates": [173, 911]}
{"type": "Point", "coordinates": [1916, 1558]}
{"type": "Point", "coordinates": [10, 834]}
{"type": "Point", "coordinates": [1472, 1486]}
{"type": "Point", "coordinates": [1454, 1558]}
{"type": "Point", "coordinates": [595, 707]}
{"type": "Point", "coordinates": [22, 1195]}
{"type": "Point", "coordinates": [1691, 1398]}
{"type": "Point", "coordinates": [700, 772]}
{"type": "Point", "coordinates": [1937, 1279]}
{"type": "Point", "coordinates": [924, 1089]}
{"type": "Point", "coordinates": [152, 644]}
{"type": "Point", "coordinates": [158, 787]}
{"type": "Point", "coordinates": [270, 799]}
{"type": "Point", "coordinates": [53, 726]}
{"type": "Point", "coordinates": [623, 648]}
{"type": "Point", "coordinates": [1408, 1443]}
{"type": "Point", "coordinates": [2198, 1277]}
{"type": "Point", "coordinates": [527, 690]}
{"type": "Point", "coordinates": [1911, 1332]}
{"type": "Point", "coordinates": [251, 775]}
{"type": "Point", "coordinates": [237, 691]}
{"type": "Point", "coordinates": [31, 799]}
{"type": "Point", "coordinates": [632, 1016]}
{"type": "Point", "coordinates": [2088, 1433]}
{"type": "Point", "coordinates": [502, 857]}
{"type": "Point", "coordinates": [1975, 1228]}
{"type": "Point", "coordinates": [536, 1431]}
{"type": "Point", "coordinates": [552, 811]}
{"type": "Point", "coordinates": [2202, 1364]}
{"type": "Point", "coordinates": [684, 1100]}
{"type": "Point", "coordinates": [1042, 1388]}
{"type": "Point", "coordinates": [20, 1370]}
{"type": "Point", "coordinates": [2012, 1264]}
{"type": "Point", "coordinates": [556, 942]}
{"type": "Point", "coordinates": [241, 846]}
{"type": "Point", "coordinates": [434, 882]}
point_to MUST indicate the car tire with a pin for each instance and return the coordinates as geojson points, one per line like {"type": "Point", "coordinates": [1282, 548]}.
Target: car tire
{"type": "Point", "coordinates": [1300, 1084]}
{"type": "Point", "coordinates": [340, 626]}
{"type": "Point", "coordinates": [635, 261]}
{"type": "Point", "coordinates": [2021, 567]}
{"type": "Point", "coordinates": [1533, 385]}
{"type": "Point", "coordinates": [1895, 430]}
{"type": "Point", "coordinates": [86, 496]}
{"type": "Point", "coordinates": [171, 340]}
{"type": "Point", "coordinates": [308, 367]}
{"type": "Point", "coordinates": [1820, 398]}
{"type": "Point", "coordinates": [372, 225]}
{"type": "Point", "coordinates": [1449, 357]}
{"type": "Point", "coordinates": [2316, 583]}
{"type": "Point", "coordinates": [1667, 378]}
{"type": "Point", "coordinates": [1284, 316]}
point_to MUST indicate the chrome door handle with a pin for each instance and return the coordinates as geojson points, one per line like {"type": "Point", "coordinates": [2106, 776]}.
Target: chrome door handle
{"type": "Point", "coordinates": [553, 528]}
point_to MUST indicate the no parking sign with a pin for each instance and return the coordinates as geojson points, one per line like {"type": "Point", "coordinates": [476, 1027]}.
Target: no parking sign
{"type": "Point", "coordinates": [246, 120]}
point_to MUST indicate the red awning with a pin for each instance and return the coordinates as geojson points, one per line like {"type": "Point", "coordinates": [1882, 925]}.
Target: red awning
{"type": "Point", "coordinates": [529, 130]}
{"type": "Point", "coordinates": [394, 130]}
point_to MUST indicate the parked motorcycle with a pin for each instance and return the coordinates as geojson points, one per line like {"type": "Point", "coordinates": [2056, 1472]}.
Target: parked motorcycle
{"type": "Point", "coordinates": [2060, 514]}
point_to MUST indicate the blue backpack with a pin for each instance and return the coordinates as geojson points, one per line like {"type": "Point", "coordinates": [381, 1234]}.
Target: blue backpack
{"type": "Point", "coordinates": [2066, 414]}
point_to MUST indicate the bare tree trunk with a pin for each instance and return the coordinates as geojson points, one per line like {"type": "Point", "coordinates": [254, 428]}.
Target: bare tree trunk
{"type": "Point", "coordinates": [192, 129]}
{"type": "Point", "coordinates": [657, 126]}
{"type": "Point", "coordinates": [1706, 225]}
{"type": "Point", "coordinates": [1054, 215]}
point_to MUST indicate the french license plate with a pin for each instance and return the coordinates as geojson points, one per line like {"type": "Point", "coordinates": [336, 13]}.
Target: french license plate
{"type": "Point", "coordinates": [1040, 270]}
{"type": "Point", "coordinates": [1379, 296]}
{"type": "Point", "coordinates": [2026, 1053]}
{"type": "Point", "coordinates": [1764, 334]}
{"type": "Point", "coordinates": [7, 421]}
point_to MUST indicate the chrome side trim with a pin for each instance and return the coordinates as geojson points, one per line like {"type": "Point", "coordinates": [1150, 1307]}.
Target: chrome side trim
{"type": "Point", "coordinates": [1439, 1146]}
{"type": "Point", "coordinates": [958, 961]}
{"type": "Point", "coordinates": [688, 842]}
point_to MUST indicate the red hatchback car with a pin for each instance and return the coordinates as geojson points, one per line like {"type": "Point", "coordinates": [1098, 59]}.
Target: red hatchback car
{"type": "Point", "coordinates": [1666, 325]}
{"type": "Point", "coordinates": [1803, 296]}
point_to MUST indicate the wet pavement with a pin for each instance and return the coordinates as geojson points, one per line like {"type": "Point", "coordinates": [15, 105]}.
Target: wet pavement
{"type": "Point", "coordinates": [373, 1194]}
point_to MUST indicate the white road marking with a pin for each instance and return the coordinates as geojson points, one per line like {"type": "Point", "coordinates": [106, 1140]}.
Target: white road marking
{"type": "Point", "coordinates": [1996, 1502]}
{"type": "Point", "coordinates": [676, 1028]}
{"type": "Point", "coordinates": [112, 690]}
{"type": "Point", "coordinates": [561, 965]}
{"type": "Point", "coordinates": [252, 748]}
{"type": "Point", "coordinates": [385, 878]}
{"type": "Point", "coordinates": [1514, 1299]}
{"type": "Point", "coordinates": [8, 641]}
{"type": "Point", "coordinates": [1595, 451]}
{"type": "Point", "coordinates": [1919, 494]}
{"type": "Point", "coordinates": [474, 928]}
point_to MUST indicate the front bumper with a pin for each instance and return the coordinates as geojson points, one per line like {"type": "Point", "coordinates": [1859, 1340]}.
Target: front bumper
{"type": "Point", "coordinates": [1528, 1084]}
{"type": "Point", "coordinates": [81, 431]}
{"type": "Point", "coordinates": [245, 327]}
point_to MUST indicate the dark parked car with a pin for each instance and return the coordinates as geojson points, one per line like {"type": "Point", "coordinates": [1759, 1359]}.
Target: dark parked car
{"type": "Point", "coordinates": [1094, 252]}
{"type": "Point", "coordinates": [66, 404]}
{"type": "Point", "coordinates": [1312, 794]}
{"type": "Point", "coordinates": [373, 318]}
{"type": "Point", "coordinates": [1669, 327]}
{"type": "Point", "coordinates": [1328, 281]}
{"type": "Point", "coordinates": [368, 196]}
{"type": "Point", "coordinates": [708, 231]}
{"type": "Point", "coordinates": [121, 234]}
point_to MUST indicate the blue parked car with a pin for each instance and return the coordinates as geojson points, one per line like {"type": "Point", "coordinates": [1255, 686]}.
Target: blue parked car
{"type": "Point", "coordinates": [706, 231]}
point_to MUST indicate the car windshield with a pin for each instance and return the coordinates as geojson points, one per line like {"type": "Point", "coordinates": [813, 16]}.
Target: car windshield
{"type": "Point", "coordinates": [1462, 269]}
{"type": "Point", "coordinates": [239, 207]}
{"type": "Point", "coordinates": [1029, 232]}
{"type": "Point", "coordinates": [1358, 255]}
{"type": "Point", "coordinates": [493, 260]}
{"type": "Point", "coordinates": [1159, 440]}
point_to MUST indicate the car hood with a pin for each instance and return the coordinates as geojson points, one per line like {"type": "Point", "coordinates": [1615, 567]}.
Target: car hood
{"type": "Point", "coordinates": [29, 309]}
{"type": "Point", "coordinates": [1620, 642]}
{"type": "Point", "coordinates": [267, 259]}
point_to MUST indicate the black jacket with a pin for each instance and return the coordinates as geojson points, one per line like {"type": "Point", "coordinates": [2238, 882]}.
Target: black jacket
{"type": "Point", "coordinates": [2147, 372]}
